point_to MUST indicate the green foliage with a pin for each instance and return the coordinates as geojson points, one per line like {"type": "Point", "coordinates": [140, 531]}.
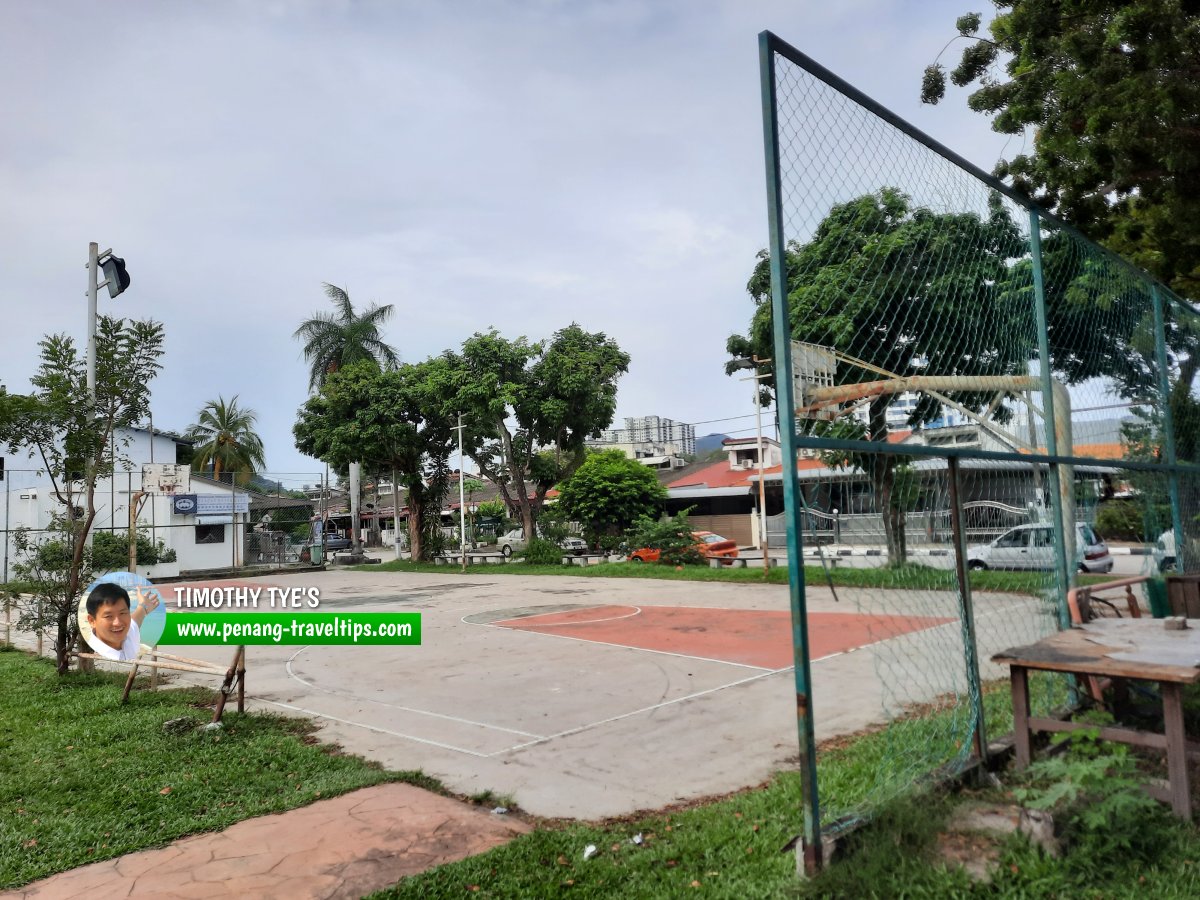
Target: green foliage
{"type": "Point", "coordinates": [333, 341]}
{"type": "Point", "coordinates": [110, 551]}
{"type": "Point", "coordinates": [78, 444]}
{"type": "Point", "coordinates": [1122, 520]}
{"type": "Point", "coordinates": [1110, 89]}
{"type": "Point", "coordinates": [1096, 786]}
{"type": "Point", "coordinates": [225, 441]}
{"type": "Point", "coordinates": [541, 552]}
{"type": "Point", "coordinates": [902, 288]}
{"type": "Point", "coordinates": [492, 509]}
{"type": "Point", "coordinates": [609, 493]}
{"type": "Point", "coordinates": [672, 538]}
{"type": "Point", "coordinates": [388, 420]}
{"type": "Point", "coordinates": [519, 397]}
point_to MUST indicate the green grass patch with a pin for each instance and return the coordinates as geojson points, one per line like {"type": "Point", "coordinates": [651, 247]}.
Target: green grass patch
{"type": "Point", "coordinates": [910, 576]}
{"type": "Point", "coordinates": [83, 778]}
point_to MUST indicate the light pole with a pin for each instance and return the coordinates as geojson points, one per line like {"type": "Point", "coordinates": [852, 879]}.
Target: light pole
{"type": "Point", "coordinates": [462, 503]}
{"type": "Point", "coordinates": [753, 363]}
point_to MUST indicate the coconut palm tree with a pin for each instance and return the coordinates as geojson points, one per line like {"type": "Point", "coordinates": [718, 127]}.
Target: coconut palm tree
{"type": "Point", "coordinates": [334, 340]}
{"type": "Point", "coordinates": [226, 440]}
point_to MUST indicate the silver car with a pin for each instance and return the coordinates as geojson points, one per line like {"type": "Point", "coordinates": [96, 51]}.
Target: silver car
{"type": "Point", "coordinates": [1031, 547]}
{"type": "Point", "coordinates": [514, 541]}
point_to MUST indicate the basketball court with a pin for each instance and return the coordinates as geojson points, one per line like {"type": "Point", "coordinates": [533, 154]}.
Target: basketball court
{"type": "Point", "coordinates": [583, 697]}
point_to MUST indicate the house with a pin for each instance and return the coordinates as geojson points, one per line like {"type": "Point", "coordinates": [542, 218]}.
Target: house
{"type": "Point", "coordinates": [206, 534]}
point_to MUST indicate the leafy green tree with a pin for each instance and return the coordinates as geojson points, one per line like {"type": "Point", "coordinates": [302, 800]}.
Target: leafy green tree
{"type": "Point", "coordinates": [1110, 88]}
{"type": "Point", "coordinates": [224, 440]}
{"type": "Point", "coordinates": [906, 290]}
{"type": "Point", "coordinates": [344, 337]}
{"type": "Point", "coordinates": [672, 538]}
{"type": "Point", "coordinates": [78, 443]}
{"type": "Point", "coordinates": [528, 407]}
{"type": "Point", "coordinates": [389, 420]}
{"type": "Point", "coordinates": [609, 492]}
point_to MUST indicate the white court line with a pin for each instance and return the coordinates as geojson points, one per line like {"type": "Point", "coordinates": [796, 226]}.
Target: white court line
{"type": "Point", "coordinates": [423, 712]}
{"type": "Point", "coordinates": [375, 728]}
{"type": "Point", "coordinates": [644, 709]}
{"type": "Point", "coordinates": [637, 611]}
{"type": "Point", "coordinates": [569, 637]}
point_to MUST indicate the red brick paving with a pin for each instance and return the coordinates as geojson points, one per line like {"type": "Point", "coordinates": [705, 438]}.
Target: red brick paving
{"type": "Point", "coordinates": [344, 847]}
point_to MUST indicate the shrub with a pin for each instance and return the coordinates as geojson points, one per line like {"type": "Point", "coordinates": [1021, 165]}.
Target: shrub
{"type": "Point", "coordinates": [1121, 520]}
{"type": "Point", "coordinates": [110, 551]}
{"type": "Point", "coordinates": [543, 553]}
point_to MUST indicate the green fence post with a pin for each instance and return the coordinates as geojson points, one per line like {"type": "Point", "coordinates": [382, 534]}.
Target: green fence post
{"type": "Point", "coordinates": [786, 410]}
{"type": "Point", "coordinates": [1062, 569]}
{"type": "Point", "coordinates": [1164, 387]}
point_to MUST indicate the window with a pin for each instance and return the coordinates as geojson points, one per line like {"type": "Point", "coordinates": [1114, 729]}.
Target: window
{"type": "Point", "coordinates": [210, 534]}
{"type": "Point", "coordinates": [1043, 537]}
{"type": "Point", "coordinates": [1013, 539]}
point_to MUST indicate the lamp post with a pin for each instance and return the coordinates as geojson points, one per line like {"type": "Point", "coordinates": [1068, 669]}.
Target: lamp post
{"type": "Point", "coordinates": [462, 504]}
{"type": "Point", "coordinates": [753, 363]}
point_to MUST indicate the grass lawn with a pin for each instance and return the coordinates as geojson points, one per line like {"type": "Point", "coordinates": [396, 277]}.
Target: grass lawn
{"type": "Point", "coordinates": [907, 577]}
{"type": "Point", "coordinates": [83, 778]}
{"type": "Point", "coordinates": [733, 848]}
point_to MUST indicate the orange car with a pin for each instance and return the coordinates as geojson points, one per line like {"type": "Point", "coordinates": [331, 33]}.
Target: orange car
{"type": "Point", "coordinates": [711, 546]}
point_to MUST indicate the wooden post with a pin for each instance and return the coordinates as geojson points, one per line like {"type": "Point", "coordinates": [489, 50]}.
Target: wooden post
{"type": "Point", "coordinates": [241, 680]}
{"type": "Point", "coordinates": [1020, 704]}
{"type": "Point", "coordinates": [129, 683]}
{"type": "Point", "coordinates": [1177, 764]}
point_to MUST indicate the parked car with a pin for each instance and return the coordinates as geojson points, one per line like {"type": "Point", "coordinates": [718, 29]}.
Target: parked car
{"type": "Point", "coordinates": [333, 542]}
{"type": "Point", "coordinates": [514, 541]}
{"type": "Point", "coordinates": [711, 546]}
{"type": "Point", "coordinates": [1164, 551]}
{"type": "Point", "coordinates": [1031, 547]}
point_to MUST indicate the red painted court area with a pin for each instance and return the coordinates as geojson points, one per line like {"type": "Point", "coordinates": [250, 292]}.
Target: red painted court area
{"type": "Point", "coordinates": [750, 637]}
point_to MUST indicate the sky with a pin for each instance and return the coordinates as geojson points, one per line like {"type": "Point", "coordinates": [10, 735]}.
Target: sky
{"type": "Point", "coordinates": [522, 164]}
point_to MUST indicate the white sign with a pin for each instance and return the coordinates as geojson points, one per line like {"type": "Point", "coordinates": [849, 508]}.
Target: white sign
{"type": "Point", "coordinates": [164, 478]}
{"type": "Point", "coordinates": [222, 504]}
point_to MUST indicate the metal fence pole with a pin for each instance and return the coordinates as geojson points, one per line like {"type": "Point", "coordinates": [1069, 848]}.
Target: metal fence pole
{"type": "Point", "coordinates": [785, 410]}
{"type": "Point", "coordinates": [1164, 386]}
{"type": "Point", "coordinates": [1048, 420]}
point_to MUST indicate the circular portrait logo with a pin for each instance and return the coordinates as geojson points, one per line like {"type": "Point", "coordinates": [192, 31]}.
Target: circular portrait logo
{"type": "Point", "coordinates": [120, 613]}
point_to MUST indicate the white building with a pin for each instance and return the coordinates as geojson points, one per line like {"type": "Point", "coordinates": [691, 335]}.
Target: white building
{"type": "Point", "coordinates": [676, 437]}
{"type": "Point", "coordinates": [207, 534]}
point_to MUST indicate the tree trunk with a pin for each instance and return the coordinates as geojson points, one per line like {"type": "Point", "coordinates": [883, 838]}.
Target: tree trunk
{"type": "Point", "coordinates": [416, 547]}
{"type": "Point", "coordinates": [882, 469]}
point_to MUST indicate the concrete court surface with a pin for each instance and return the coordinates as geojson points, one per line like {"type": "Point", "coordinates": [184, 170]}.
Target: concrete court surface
{"type": "Point", "coordinates": [588, 728]}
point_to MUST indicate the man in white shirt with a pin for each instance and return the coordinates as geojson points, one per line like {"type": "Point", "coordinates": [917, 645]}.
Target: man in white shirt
{"type": "Point", "coordinates": [116, 631]}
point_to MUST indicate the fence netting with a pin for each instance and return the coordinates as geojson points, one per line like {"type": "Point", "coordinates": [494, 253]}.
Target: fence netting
{"type": "Point", "coordinates": [941, 329]}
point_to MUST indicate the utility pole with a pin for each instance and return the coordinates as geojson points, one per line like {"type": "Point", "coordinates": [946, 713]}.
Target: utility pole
{"type": "Point", "coordinates": [462, 503]}
{"type": "Point", "coordinates": [763, 541]}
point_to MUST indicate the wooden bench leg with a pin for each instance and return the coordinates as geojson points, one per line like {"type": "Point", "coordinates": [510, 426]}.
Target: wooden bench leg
{"type": "Point", "coordinates": [1020, 703]}
{"type": "Point", "coordinates": [1177, 769]}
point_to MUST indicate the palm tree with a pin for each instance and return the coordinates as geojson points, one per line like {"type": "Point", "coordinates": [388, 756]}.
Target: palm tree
{"type": "Point", "coordinates": [226, 440]}
{"type": "Point", "coordinates": [334, 340]}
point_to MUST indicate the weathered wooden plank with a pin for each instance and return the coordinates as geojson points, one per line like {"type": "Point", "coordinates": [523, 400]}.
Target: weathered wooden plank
{"type": "Point", "coordinates": [1177, 765]}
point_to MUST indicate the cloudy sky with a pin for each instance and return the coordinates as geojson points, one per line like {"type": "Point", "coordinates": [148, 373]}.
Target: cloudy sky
{"type": "Point", "coordinates": [516, 163]}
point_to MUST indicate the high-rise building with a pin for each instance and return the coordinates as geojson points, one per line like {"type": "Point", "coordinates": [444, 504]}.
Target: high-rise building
{"type": "Point", "coordinates": [653, 430]}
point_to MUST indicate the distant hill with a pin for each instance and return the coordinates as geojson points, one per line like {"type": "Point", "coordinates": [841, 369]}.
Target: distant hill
{"type": "Point", "coordinates": [708, 443]}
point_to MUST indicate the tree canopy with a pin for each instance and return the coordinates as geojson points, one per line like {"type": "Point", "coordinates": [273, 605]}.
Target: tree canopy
{"type": "Point", "coordinates": [528, 407]}
{"type": "Point", "coordinates": [344, 337]}
{"type": "Point", "coordinates": [390, 421]}
{"type": "Point", "coordinates": [225, 441]}
{"type": "Point", "coordinates": [1112, 91]}
{"type": "Point", "coordinates": [77, 443]}
{"type": "Point", "coordinates": [609, 493]}
{"type": "Point", "coordinates": [906, 290]}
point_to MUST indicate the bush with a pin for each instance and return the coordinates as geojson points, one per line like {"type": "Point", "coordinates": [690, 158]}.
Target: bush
{"type": "Point", "coordinates": [543, 553]}
{"type": "Point", "coordinates": [1121, 520]}
{"type": "Point", "coordinates": [110, 551]}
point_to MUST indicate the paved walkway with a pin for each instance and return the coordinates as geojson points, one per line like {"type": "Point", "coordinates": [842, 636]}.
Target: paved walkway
{"type": "Point", "coordinates": [344, 847]}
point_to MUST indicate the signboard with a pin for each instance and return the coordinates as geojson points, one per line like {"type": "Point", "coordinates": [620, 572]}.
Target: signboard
{"type": "Point", "coordinates": [166, 478]}
{"type": "Point", "coordinates": [183, 504]}
{"type": "Point", "coordinates": [221, 504]}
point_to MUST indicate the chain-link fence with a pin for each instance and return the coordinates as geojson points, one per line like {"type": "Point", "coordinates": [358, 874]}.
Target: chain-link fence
{"type": "Point", "coordinates": [975, 386]}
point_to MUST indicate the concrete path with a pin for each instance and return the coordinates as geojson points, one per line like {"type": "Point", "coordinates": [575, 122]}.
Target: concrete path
{"type": "Point", "coordinates": [344, 847]}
